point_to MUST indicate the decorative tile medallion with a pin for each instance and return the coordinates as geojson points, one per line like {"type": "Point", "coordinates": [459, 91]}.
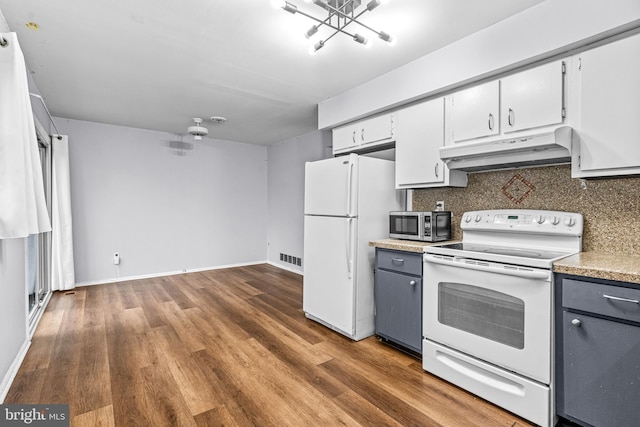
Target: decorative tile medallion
{"type": "Point", "coordinates": [517, 189]}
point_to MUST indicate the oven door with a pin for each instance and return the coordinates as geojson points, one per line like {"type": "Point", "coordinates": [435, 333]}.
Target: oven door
{"type": "Point", "coordinates": [495, 312]}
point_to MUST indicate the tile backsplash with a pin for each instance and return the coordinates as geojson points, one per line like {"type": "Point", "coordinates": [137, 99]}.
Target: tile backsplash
{"type": "Point", "coordinates": [610, 206]}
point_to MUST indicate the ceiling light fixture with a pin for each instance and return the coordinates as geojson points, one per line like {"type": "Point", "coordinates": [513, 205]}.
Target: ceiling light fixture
{"type": "Point", "coordinates": [341, 13]}
{"type": "Point", "coordinates": [197, 131]}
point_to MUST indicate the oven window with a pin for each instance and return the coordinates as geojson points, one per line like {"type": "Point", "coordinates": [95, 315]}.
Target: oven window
{"type": "Point", "coordinates": [493, 315]}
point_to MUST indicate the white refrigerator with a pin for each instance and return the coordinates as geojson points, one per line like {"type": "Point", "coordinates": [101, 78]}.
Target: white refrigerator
{"type": "Point", "coordinates": [346, 204]}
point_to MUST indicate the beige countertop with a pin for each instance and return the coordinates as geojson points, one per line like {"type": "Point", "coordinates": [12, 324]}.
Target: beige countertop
{"type": "Point", "coordinates": [402, 245]}
{"type": "Point", "coordinates": [622, 267]}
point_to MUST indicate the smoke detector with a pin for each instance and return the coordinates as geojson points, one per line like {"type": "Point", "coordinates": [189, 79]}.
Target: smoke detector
{"type": "Point", "coordinates": [197, 131]}
{"type": "Point", "coordinates": [218, 120]}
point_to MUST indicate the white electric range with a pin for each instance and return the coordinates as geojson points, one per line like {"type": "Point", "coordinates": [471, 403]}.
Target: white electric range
{"type": "Point", "coordinates": [487, 320]}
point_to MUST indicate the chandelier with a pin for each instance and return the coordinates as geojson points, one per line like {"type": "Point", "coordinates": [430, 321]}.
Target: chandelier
{"type": "Point", "coordinates": [340, 13]}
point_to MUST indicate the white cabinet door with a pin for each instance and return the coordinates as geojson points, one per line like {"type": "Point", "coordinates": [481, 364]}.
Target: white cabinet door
{"type": "Point", "coordinates": [475, 112]}
{"type": "Point", "coordinates": [420, 134]}
{"type": "Point", "coordinates": [608, 114]}
{"type": "Point", "coordinates": [533, 98]}
{"type": "Point", "coordinates": [365, 134]}
{"type": "Point", "coordinates": [344, 138]}
{"type": "Point", "coordinates": [529, 99]}
{"type": "Point", "coordinates": [377, 129]}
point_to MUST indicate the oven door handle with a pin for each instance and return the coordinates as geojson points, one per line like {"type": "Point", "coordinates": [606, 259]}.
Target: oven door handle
{"type": "Point", "coordinates": [510, 271]}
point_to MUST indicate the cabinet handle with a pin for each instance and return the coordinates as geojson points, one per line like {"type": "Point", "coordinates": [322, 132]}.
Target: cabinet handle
{"type": "Point", "coordinates": [398, 260]}
{"type": "Point", "coordinates": [435, 169]}
{"type": "Point", "coordinates": [353, 137]}
{"type": "Point", "coordinates": [490, 121]}
{"type": "Point", "coordinates": [576, 322]}
{"type": "Point", "coordinates": [511, 118]}
{"type": "Point", "coordinates": [362, 134]}
{"type": "Point", "coordinates": [412, 283]}
{"type": "Point", "coordinates": [633, 301]}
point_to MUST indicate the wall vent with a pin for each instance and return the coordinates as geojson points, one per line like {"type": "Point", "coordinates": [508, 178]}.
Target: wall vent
{"type": "Point", "coordinates": [291, 259]}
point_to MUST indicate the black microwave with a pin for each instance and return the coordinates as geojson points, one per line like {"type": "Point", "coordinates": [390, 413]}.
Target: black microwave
{"type": "Point", "coordinates": [423, 226]}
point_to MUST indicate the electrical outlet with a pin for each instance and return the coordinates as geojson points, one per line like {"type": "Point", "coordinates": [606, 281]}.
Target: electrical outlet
{"type": "Point", "coordinates": [440, 205]}
{"type": "Point", "coordinates": [116, 258]}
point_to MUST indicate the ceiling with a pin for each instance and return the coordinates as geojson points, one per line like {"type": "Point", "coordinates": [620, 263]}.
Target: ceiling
{"type": "Point", "coordinates": [156, 64]}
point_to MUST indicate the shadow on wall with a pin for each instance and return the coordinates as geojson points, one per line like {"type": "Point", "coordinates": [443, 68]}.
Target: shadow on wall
{"type": "Point", "coordinates": [180, 147]}
{"type": "Point", "coordinates": [609, 205]}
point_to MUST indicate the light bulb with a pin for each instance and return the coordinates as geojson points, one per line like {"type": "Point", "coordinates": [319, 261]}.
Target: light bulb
{"type": "Point", "coordinates": [373, 4]}
{"type": "Point", "coordinates": [311, 31]}
{"type": "Point", "coordinates": [360, 39]}
{"type": "Point", "coordinates": [388, 38]}
{"type": "Point", "coordinates": [322, 3]}
{"type": "Point", "coordinates": [278, 4]}
{"type": "Point", "coordinates": [314, 48]}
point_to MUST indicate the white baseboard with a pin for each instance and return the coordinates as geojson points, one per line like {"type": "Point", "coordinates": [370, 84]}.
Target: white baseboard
{"type": "Point", "coordinates": [13, 371]}
{"type": "Point", "coordinates": [166, 273]}
{"type": "Point", "coordinates": [284, 267]}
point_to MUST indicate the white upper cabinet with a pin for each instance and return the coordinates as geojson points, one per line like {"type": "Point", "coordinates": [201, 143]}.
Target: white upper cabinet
{"type": "Point", "coordinates": [344, 138]}
{"type": "Point", "coordinates": [364, 135]}
{"type": "Point", "coordinates": [420, 134]}
{"type": "Point", "coordinates": [607, 130]}
{"type": "Point", "coordinates": [533, 98]}
{"type": "Point", "coordinates": [529, 99]}
{"type": "Point", "coordinates": [476, 112]}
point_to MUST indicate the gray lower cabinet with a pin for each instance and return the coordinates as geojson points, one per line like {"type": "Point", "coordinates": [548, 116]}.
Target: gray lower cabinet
{"type": "Point", "coordinates": [398, 298]}
{"type": "Point", "coordinates": [597, 351]}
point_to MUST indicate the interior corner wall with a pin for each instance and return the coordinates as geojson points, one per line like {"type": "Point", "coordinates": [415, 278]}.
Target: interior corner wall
{"type": "Point", "coordinates": [163, 204]}
{"type": "Point", "coordinates": [13, 308]}
{"type": "Point", "coordinates": [4, 27]}
{"type": "Point", "coordinates": [286, 162]}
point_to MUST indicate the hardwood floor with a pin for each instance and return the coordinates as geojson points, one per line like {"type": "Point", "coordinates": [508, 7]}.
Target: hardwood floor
{"type": "Point", "coordinates": [226, 347]}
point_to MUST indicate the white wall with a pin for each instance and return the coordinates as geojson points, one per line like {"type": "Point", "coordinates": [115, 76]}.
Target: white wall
{"type": "Point", "coordinates": [546, 29]}
{"type": "Point", "coordinates": [164, 206]}
{"type": "Point", "coordinates": [286, 193]}
{"type": "Point", "coordinates": [13, 308]}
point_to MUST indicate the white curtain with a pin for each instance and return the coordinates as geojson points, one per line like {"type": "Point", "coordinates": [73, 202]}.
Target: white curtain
{"type": "Point", "coordinates": [23, 209]}
{"type": "Point", "coordinates": [62, 268]}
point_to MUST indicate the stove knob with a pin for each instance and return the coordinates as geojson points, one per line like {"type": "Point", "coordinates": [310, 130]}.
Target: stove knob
{"type": "Point", "coordinates": [539, 219]}
{"type": "Point", "coordinates": [555, 220]}
{"type": "Point", "coordinates": [467, 218]}
{"type": "Point", "coordinates": [477, 218]}
{"type": "Point", "coordinates": [570, 222]}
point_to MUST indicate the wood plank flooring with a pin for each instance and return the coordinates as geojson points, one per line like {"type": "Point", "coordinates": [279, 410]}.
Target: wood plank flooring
{"type": "Point", "coordinates": [226, 347]}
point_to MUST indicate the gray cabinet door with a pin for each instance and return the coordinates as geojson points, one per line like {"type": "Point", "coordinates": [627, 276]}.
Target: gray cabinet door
{"type": "Point", "coordinates": [399, 308]}
{"type": "Point", "coordinates": [601, 371]}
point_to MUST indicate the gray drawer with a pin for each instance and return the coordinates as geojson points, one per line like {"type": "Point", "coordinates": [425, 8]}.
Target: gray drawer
{"type": "Point", "coordinates": [606, 300]}
{"type": "Point", "coordinates": [402, 262]}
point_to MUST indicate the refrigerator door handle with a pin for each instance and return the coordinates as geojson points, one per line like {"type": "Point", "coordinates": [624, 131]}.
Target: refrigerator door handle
{"type": "Point", "coordinates": [349, 185]}
{"type": "Point", "coordinates": [349, 248]}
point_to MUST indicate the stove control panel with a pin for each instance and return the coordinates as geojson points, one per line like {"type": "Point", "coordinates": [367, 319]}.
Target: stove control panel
{"type": "Point", "coordinates": [524, 220]}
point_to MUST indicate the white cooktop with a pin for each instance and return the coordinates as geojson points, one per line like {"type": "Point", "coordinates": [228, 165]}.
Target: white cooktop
{"type": "Point", "coordinates": [534, 238]}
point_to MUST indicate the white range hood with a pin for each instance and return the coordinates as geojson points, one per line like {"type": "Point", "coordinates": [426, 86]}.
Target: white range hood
{"type": "Point", "coordinates": [553, 147]}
